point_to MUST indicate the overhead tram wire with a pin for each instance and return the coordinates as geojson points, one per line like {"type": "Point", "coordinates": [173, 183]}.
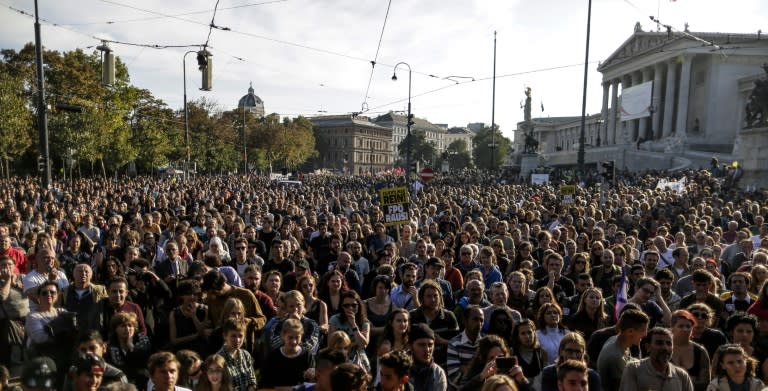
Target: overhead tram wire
{"type": "Point", "coordinates": [170, 16]}
{"type": "Point", "coordinates": [100, 39]}
{"type": "Point", "coordinates": [457, 83]}
{"type": "Point", "coordinates": [375, 58]}
{"type": "Point", "coordinates": [655, 19]}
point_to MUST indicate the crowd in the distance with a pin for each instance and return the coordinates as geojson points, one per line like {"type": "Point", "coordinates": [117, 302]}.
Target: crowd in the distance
{"type": "Point", "coordinates": [239, 283]}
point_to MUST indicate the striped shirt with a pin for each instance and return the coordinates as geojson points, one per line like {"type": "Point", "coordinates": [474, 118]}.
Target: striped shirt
{"type": "Point", "coordinates": [460, 352]}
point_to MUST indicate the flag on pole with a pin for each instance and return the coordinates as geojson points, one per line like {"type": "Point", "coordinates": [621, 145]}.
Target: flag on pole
{"type": "Point", "coordinates": [621, 295]}
{"type": "Point", "coordinates": [542, 106]}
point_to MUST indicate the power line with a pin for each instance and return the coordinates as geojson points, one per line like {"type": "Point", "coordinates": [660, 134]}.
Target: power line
{"type": "Point", "coordinates": [212, 25]}
{"type": "Point", "coordinates": [182, 14]}
{"type": "Point", "coordinates": [376, 57]}
{"type": "Point", "coordinates": [50, 23]}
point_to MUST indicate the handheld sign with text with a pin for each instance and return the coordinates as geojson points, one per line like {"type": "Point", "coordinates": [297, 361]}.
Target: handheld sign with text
{"type": "Point", "coordinates": [567, 193]}
{"type": "Point", "coordinates": [394, 203]}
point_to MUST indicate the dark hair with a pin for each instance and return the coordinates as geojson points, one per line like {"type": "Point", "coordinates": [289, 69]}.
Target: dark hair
{"type": "Point", "coordinates": [723, 350]}
{"type": "Point", "coordinates": [738, 318]}
{"type": "Point", "coordinates": [381, 279]}
{"type": "Point", "coordinates": [361, 315]}
{"type": "Point", "coordinates": [664, 274]}
{"type": "Point", "coordinates": [348, 376]}
{"type": "Point", "coordinates": [213, 280]}
{"type": "Point", "coordinates": [88, 336]}
{"type": "Point", "coordinates": [700, 275]}
{"type": "Point", "coordinates": [232, 325]}
{"type": "Point", "coordinates": [329, 357]}
{"type": "Point", "coordinates": [484, 346]}
{"type": "Point", "coordinates": [188, 287]}
{"type": "Point", "coordinates": [632, 319]}
{"type": "Point", "coordinates": [398, 360]}
{"type": "Point", "coordinates": [431, 284]}
{"type": "Point", "coordinates": [570, 366]}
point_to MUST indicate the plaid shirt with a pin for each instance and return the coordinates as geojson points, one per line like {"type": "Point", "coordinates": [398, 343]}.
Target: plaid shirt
{"type": "Point", "coordinates": [240, 368]}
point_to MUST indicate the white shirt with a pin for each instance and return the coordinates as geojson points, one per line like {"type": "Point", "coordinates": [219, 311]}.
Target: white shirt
{"type": "Point", "coordinates": [34, 279]}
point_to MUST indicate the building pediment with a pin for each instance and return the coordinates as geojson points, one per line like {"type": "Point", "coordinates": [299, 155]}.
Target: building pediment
{"type": "Point", "coordinates": [643, 43]}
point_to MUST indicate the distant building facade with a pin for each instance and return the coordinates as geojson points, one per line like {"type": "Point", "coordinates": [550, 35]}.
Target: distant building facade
{"type": "Point", "coordinates": [397, 122]}
{"type": "Point", "coordinates": [352, 144]}
{"type": "Point", "coordinates": [696, 108]}
{"type": "Point", "coordinates": [252, 103]}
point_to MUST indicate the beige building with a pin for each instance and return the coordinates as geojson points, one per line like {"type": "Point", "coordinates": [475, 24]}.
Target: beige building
{"type": "Point", "coordinates": [397, 123]}
{"type": "Point", "coordinates": [352, 144]}
{"type": "Point", "coordinates": [697, 86]}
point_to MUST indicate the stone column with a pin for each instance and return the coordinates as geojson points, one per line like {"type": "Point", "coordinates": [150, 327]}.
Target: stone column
{"type": "Point", "coordinates": [632, 80]}
{"type": "Point", "coordinates": [612, 117]}
{"type": "Point", "coordinates": [682, 101]}
{"type": "Point", "coordinates": [602, 131]}
{"type": "Point", "coordinates": [644, 122]}
{"type": "Point", "coordinates": [656, 103]}
{"type": "Point", "coordinates": [669, 98]}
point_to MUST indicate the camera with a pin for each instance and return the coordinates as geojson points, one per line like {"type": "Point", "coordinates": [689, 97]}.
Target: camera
{"type": "Point", "coordinates": [504, 364]}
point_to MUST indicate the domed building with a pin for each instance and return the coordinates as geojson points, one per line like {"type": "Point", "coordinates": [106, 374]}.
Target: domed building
{"type": "Point", "coordinates": [252, 103]}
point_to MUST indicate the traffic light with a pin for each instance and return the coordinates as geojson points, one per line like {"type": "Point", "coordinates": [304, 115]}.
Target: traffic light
{"type": "Point", "coordinates": [415, 167]}
{"type": "Point", "coordinates": [40, 164]}
{"type": "Point", "coordinates": [205, 64]}
{"type": "Point", "coordinates": [107, 65]}
{"type": "Point", "coordinates": [609, 171]}
{"type": "Point", "coordinates": [410, 119]}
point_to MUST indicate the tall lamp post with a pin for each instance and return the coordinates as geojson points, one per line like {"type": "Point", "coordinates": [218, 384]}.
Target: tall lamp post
{"type": "Point", "coordinates": [42, 110]}
{"type": "Point", "coordinates": [409, 121]}
{"type": "Point", "coordinates": [582, 137]}
{"type": "Point", "coordinates": [186, 116]}
{"type": "Point", "coordinates": [371, 159]}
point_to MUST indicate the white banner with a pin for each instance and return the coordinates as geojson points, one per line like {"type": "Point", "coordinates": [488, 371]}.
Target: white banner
{"type": "Point", "coordinates": [636, 101]}
{"type": "Point", "coordinates": [676, 186]}
{"type": "Point", "coordinates": [539, 179]}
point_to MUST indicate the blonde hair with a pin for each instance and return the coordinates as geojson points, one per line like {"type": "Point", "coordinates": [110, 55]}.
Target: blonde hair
{"type": "Point", "coordinates": [229, 305]}
{"type": "Point", "coordinates": [338, 340]}
{"type": "Point", "coordinates": [496, 381]}
{"type": "Point", "coordinates": [291, 325]}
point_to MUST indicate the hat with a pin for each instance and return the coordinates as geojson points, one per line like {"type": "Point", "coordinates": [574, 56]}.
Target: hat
{"type": "Point", "coordinates": [90, 364]}
{"type": "Point", "coordinates": [302, 263]}
{"type": "Point", "coordinates": [39, 372]}
{"type": "Point", "coordinates": [435, 261]}
{"type": "Point", "coordinates": [419, 331]}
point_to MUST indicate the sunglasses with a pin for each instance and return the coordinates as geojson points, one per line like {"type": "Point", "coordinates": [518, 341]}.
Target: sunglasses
{"type": "Point", "coordinates": [700, 315]}
{"type": "Point", "coordinates": [48, 293]}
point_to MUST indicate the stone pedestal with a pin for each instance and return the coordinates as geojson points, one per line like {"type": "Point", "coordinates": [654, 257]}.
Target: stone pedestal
{"type": "Point", "coordinates": [751, 151]}
{"type": "Point", "coordinates": [528, 162]}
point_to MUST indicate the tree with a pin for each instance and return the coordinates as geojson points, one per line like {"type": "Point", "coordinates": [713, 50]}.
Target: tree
{"type": "Point", "coordinates": [100, 133]}
{"type": "Point", "coordinates": [213, 140]}
{"type": "Point", "coordinates": [15, 120]}
{"type": "Point", "coordinates": [457, 155]}
{"type": "Point", "coordinates": [289, 143]}
{"type": "Point", "coordinates": [485, 156]}
{"type": "Point", "coordinates": [422, 151]}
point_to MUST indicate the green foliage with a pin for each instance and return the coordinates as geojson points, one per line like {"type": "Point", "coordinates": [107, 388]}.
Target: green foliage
{"type": "Point", "coordinates": [421, 150]}
{"type": "Point", "coordinates": [457, 155]}
{"type": "Point", "coordinates": [124, 123]}
{"type": "Point", "coordinates": [485, 157]}
{"type": "Point", "coordinates": [15, 119]}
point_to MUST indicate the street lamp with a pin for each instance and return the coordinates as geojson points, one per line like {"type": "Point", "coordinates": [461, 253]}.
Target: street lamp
{"type": "Point", "coordinates": [409, 121]}
{"type": "Point", "coordinates": [204, 64]}
{"type": "Point", "coordinates": [186, 115]}
{"type": "Point", "coordinates": [582, 137]}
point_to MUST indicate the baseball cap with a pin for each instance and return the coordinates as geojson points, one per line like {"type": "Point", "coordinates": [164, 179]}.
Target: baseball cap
{"type": "Point", "coordinates": [39, 372]}
{"type": "Point", "coordinates": [89, 363]}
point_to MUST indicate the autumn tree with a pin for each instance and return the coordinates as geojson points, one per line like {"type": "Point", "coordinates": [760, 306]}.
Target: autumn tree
{"type": "Point", "coordinates": [15, 121]}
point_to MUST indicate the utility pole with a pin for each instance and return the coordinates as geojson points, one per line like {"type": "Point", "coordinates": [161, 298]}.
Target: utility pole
{"type": "Point", "coordinates": [42, 113]}
{"type": "Point", "coordinates": [493, 108]}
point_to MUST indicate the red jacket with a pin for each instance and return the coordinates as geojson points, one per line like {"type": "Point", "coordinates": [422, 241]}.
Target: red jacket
{"type": "Point", "coordinates": [758, 309]}
{"type": "Point", "coordinates": [19, 258]}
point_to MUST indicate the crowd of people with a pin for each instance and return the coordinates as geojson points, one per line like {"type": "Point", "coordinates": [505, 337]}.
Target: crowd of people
{"type": "Point", "coordinates": [242, 283]}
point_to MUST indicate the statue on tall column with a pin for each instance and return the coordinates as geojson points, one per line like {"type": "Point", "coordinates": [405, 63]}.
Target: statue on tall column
{"type": "Point", "coordinates": [531, 144]}
{"type": "Point", "coordinates": [757, 103]}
